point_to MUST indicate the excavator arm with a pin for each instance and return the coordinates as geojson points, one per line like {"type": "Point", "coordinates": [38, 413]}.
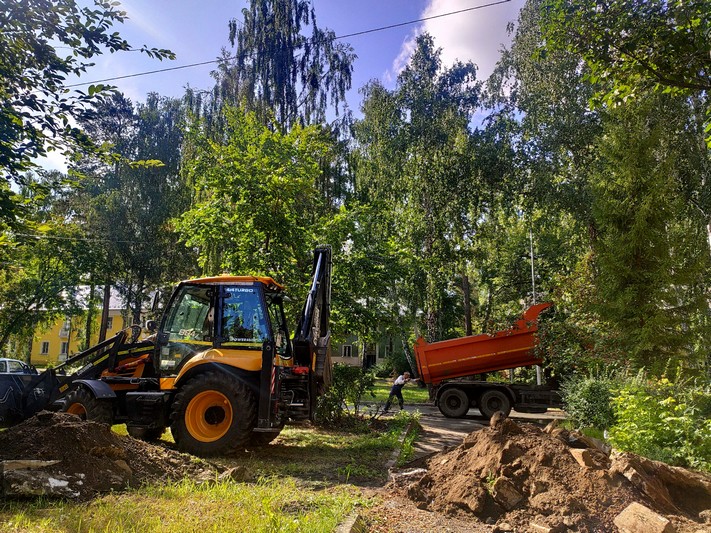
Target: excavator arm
{"type": "Point", "coordinates": [312, 339]}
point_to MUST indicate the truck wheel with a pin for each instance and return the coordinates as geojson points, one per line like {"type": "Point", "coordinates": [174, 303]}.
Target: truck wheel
{"type": "Point", "coordinates": [147, 434]}
{"type": "Point", "coordinates": [213, 414]}
{"type": "Point", "coordinates": [493, 401]}
{"type": "Point", "coordinates": [82, 403]}
{"type": "Point", "coordinates": [453, 403]}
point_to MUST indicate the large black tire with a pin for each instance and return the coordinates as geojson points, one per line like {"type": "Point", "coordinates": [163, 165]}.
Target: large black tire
{"type": "Point", "coordinates": [213, 414]}
{"type": "Point", "coordinates": [147, 434]}
{"type": "Point", "coordinates": [453, 403]}
{"type": "Point", "coordinates": [493, 401]}
{"type": "Point", "coordinates": [82, 403]}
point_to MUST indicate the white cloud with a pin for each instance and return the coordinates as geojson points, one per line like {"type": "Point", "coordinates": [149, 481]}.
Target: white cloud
{"type": "Point", "coordinates": [53, 161]}
{"type": "Point", "coordinates": [476, 36]}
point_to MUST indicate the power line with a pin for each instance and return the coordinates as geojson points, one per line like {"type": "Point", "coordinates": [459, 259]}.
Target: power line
{"type": "Point", "coordinates": [83, 239]}
{"type": "Point", "coordinates": [336, 38]}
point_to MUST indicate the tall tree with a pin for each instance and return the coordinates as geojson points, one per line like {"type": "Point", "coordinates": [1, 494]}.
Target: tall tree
{"type": "Point", "coordinates": [279, 67]}
{"type": "Point", "coordinates": [129, 198]}
{"type": "Point", "coordinates": [416, 152]}
{"type": "Point", "coordinates": [651, 266]}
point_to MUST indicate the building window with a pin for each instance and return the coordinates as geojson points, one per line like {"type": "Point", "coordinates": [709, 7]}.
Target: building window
{"type": "Point", "coordinates": [65, 348]}
{"type": "Point", "coordinates": [109, 323]}
{"type": "Point", "coordinates": [346, 350]}
{"type": "Point", "coordinates": [45, 347]}
{"type": "Point", "coordinates": [66, 327]}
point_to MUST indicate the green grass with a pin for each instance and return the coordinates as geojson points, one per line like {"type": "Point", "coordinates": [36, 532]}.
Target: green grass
{"type": "Point", "coordinates": [411, 392]}
{"type": "Point", "coordinates": [271, 504]}
{"type": "Point", "coordinates": [306, 481]}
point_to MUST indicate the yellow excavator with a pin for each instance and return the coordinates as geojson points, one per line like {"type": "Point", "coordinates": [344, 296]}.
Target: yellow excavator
{"type": "Point", "coordinates": [220, 369]}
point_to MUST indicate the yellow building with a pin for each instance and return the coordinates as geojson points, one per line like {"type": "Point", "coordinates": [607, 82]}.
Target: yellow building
{"type": "Point", "coordinates": [53, 345]}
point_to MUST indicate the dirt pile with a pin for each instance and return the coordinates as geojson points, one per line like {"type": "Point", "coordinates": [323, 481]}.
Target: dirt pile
{"type": "Point", "coordinates": [523, 478]}
{"type": "Point", "coordinates": [59, 454]}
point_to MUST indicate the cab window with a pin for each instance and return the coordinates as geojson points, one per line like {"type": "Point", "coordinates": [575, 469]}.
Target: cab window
{"type": "Point", "coordinates": [191, 317]}
{"type": "Point", "coordinates": [243, 318]}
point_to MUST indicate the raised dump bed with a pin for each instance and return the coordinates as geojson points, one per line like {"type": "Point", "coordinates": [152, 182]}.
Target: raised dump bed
{"type": "Point", "coordinates": [449, 368]}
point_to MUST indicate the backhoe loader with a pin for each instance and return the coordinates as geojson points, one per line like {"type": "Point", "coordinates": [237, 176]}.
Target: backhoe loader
{"type": "Point", "coordinates": [220, 369]}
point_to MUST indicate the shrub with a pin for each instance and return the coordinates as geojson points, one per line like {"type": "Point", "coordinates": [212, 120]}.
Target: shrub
{"type": "Point", "coordinates": [666, 421]}
{"type": "Point", "coordinates": [588, 402]}
{"type": "Point", "coordinates": [349, 386]}
{"type": "Point", "coordinates": [383, 370]}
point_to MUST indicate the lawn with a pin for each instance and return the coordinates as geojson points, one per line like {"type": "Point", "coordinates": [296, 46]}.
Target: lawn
{"type": "Point", "coordinates": [307, 480]}
{"type": "Point", "coordinates": [412, 393]}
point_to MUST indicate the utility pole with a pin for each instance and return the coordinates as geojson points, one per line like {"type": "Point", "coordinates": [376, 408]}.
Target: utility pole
{"type": "Point", "coordinates": [539, 377]}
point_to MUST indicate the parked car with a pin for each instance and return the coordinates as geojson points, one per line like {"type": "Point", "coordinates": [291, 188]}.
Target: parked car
{"type": "Point", "coordinates": [14, 366]}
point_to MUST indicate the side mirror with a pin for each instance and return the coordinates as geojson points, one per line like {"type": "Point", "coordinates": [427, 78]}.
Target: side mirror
{"type": "Point", "coordinates": [152, 326]}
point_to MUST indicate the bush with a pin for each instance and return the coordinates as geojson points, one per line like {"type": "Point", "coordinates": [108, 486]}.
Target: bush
{"type": "Point", "coordinates": [383, 370]}
{"type": "Point", "coordinates": [666, 421]}
{"type": "Point", "coordinates": [349, 386]}
{"type": "Point", "coordinates": [588, 402]}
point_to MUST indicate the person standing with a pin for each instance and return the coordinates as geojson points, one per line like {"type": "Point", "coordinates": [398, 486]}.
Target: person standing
{"type": "Point", "coordinates": [396, 391]}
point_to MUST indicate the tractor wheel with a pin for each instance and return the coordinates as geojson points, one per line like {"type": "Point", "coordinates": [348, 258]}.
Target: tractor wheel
{"type": "Point", "coordinates": [493, 401]}
{"type": "Point", "coordinates": [146, 434]}
{"type": "Point", "coordinates": [82, 403]}
{"type": "Point", "coordinates": [213, 414]}
{"type": "Point", "coordinates": [453, 403]}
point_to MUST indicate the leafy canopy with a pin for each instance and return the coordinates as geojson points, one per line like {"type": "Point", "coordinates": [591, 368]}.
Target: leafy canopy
{"type": "Point", "coordinates": [42, 44]}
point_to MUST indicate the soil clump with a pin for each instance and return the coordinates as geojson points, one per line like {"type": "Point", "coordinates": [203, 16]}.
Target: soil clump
{"type": "Point", "coordinates": [520, 477]}
{"type": "Point", "coordinates": [83, 458]}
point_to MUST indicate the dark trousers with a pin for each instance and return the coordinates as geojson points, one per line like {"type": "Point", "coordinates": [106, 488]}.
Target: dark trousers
{"type": "Point", "coordinates": [395, 392]}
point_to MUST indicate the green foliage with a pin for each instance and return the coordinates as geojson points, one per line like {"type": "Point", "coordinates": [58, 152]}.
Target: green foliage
{"type": "Point", "coordinates": [651, 258]}
{"type": "Point", "coordinates": [414, 155]}
{"type": "Point", "coordinates": [665, 421]}
{"type": "Point", "coordinates": [128, 195]}
{"type": "Point", "coordinates": [256, 207]}
{"type": "Point", "coordinates": [36, 111]}
{"type": "Point", "coordinates": [340, 405]}
{"type": "Point", "coordinates": [588, 401]}
{"type": "Point", "coordinates": [278, 68]}
{"type": "Point", "coordinates": [632, 46]}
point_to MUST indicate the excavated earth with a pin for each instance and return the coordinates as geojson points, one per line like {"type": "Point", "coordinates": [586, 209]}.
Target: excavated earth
{"type": "Point", "coordinates": [519, 477]}
{"type": "Point", "coordinates": [80, 459]}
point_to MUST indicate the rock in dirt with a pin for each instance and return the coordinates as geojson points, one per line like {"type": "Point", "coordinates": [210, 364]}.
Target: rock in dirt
{"type": "Point", "coordinates": [57, 454]}
{"type": "Point", "coordinates": [637, 518]}
{"type": "Point", "coordinates": [521, 475]}
{"type": "Point", "coordinates": [672, 489]}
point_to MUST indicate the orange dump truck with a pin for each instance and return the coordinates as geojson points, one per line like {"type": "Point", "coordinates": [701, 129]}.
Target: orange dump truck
{"type": "Point", "coordinates": [451, 369]}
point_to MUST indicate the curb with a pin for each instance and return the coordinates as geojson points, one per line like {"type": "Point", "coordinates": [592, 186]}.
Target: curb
{"type": "Point", "coordinates": [396, 452]}
{"type": "Point", "coordinates": [354, 523]}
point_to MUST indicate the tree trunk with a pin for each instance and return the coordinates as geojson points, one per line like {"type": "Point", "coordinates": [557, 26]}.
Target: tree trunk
{"type": "Point", "coordinates": [89, 317]}
{"type": "Point", "coordinates": [105, 311]}
{"type": "Point", "coordinates": [28, 359]}
{"type": "Point", "coordinates": [467, 304]}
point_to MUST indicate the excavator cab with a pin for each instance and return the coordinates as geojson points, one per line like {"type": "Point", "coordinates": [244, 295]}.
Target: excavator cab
{"type": "Point", "coordinates": [224, 319]}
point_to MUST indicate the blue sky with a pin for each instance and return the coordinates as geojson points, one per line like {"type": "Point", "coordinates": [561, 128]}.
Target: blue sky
{"type": "Point", "coordinates": [196, 32]}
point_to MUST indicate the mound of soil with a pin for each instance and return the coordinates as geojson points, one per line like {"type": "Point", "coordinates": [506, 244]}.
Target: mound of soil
{"type": "Point", "coordinates": [518, 475]}
{"type": "Point", "coordinates": [82, 458]}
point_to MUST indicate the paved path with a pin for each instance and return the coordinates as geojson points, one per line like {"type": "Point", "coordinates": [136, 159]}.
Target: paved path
{"type": "Point", "coordinates": [439, 432]}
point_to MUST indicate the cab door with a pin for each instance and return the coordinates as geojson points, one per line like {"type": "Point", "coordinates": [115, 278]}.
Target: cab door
{"type": "Point", "coordinates": [188, 326]}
